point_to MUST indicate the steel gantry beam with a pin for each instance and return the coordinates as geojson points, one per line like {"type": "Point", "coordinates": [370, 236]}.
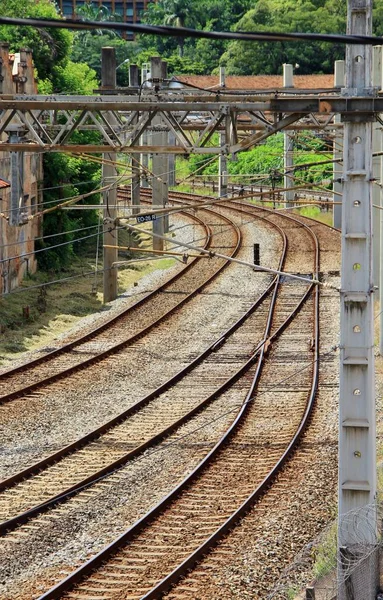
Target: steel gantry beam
{"type": "Point", "coordinates": [49, 123]}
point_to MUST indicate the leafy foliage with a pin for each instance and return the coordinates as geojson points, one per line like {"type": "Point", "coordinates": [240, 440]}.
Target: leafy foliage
{"type": "Point", "coordinates": [63, 172]}
{"type": "Point", "coordinates": [50, 46]}
{"type": "Point", "coordinates": [56, 73]}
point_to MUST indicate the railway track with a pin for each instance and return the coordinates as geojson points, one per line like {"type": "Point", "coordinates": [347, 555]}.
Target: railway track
{"type": "Point", "coordinates": [214, 519]}
{"type": "Point", "coordinates": [143, 425]}
{"type": "Point", "coordinates": [131, 324]}
{"type": "Point", "coordinates": [121, 575]}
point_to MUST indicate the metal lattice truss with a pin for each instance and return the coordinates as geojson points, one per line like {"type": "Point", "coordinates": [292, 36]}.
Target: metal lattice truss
{"type": "Point", "coordinates": [53, 123]}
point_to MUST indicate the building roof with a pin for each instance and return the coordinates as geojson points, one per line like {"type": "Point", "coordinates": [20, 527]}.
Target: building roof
{"type": "Point", "coordinates": [4, 183]}
{"type": "Point", "coordinates": [259, 82]}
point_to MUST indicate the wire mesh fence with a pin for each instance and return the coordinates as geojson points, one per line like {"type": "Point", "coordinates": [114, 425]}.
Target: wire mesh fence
{"type": "Point", "coordinates": [321, 571]}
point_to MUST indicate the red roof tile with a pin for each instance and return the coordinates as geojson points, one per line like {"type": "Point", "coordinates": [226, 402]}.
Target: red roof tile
{"type": "Point", "coordinates": [4, 183]}
{"type": "Point", "coordinates": [259, 82]}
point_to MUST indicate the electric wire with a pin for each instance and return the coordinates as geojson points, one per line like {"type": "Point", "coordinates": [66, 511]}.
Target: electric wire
{"type": "Point", "coordinates": [214, 254]}
{"type": "Point", "coordinates": [209, 422]}
{"type": "Point", "coordinates": [187, 32]}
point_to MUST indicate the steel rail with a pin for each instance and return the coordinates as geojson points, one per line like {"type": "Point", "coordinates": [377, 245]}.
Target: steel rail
{"type": "Point", "coordinates": [104, 326]}
{"type": "Point", "coordinates": [12, 523]}
{"type": "Point", "coordinates": [69, 582]}
{"type": "Point", "coordinates": [166, 583]}
{"type": "Point", "coordinates": [117, 347]}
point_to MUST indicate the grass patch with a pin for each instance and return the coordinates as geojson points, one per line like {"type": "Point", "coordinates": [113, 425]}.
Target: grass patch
{"type": "Point", "coordinates": [314, 212]}
{"type": "Point", "coordinates": [32, 318]}
{"type": "Point", "coordinates": [325, 554]}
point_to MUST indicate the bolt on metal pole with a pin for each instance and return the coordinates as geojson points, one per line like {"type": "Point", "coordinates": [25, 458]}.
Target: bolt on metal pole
{"type": "Point", "coordinates": [357, 454]}
{"type": "Point", "coordinates": [109, 173]}
{"type": "Point", "coordinates": [288, 144]}
{"type": "Point", "coordinates": [337, 185]}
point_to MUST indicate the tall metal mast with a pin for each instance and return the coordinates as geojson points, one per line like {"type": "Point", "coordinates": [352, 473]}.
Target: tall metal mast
{"type": "Point", "coordinates": [357, 456]}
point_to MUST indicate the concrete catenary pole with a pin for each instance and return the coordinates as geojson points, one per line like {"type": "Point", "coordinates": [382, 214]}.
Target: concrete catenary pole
{"type": "Point", "coordinates": [357, 455]}
{"type": "Point", "coordinates": [145, 74]}
{"type": "Point", "coordinates": [135, 187]}
{"type": "Point", "coordinates": [159, 165]}
{"type": "Point", "coordinates": [288, 143]}
{"type": "Point", "coordinates": [165, 157]}
{"type": "Point", "coordinates": [337, 185]}
{"type": "Point", "coordinates": [222, 159]}
{"type": "Point", "coordinates": [109, 173]}
{"type": "Point", "coordinates": [376, 160]}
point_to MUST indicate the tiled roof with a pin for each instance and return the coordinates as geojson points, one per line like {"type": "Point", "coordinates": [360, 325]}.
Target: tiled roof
{"type": "Point", "coordinates": [4, 183]}
{"type": "Point", "coordinates": [259, 82]}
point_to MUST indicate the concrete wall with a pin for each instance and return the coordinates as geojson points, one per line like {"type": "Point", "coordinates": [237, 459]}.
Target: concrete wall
{"type": "Point", "coordinates": [17, 232]}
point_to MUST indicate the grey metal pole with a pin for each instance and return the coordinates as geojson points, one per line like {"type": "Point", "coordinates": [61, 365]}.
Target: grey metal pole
{"type": "Point", "coordinates": [376, 160]}
{"type": "Point", "coordinates": [172, 161]}
{"type": "Point", "coordinates": [222, 159]}
{"type": "Point", "coordinates": [357, 453]}
{"type": "Point", "coordinates": [109, 172]}
{"type": "Point", "coordinates": [135, 186]}
{"type": "Point", "coordinates": [288, 143]}
{"type": "Point", "coordinates": [165, 157]}
{"type": "Point", "coordinates": [144, 138]}
{"type": "Point", "coordinates": [337, 185]}
{"type": "Point", "coordinates": [158, 181]}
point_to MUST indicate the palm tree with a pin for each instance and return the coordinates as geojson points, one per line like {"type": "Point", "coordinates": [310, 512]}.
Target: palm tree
{"type": "Point", "coordinates": [92, 12]}
{"type": "Point", "coordinates": [179, 13]}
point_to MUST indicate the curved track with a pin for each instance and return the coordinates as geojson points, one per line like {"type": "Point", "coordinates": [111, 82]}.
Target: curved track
{"type": "Point", "coordinates": [128, 326]}
{"type": "Point", "coordinates": [227, 481]}
{"type": "Point", "coordinates": [145, 430]}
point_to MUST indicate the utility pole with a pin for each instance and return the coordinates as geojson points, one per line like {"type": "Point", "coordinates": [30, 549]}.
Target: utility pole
{"type": "Point", "coordinates": [160, 164]}
{"type": "Point", "coordinates": [172, 161]}
{"type": "Point", "coordinates": [222, 160]}
{"type": "Point", "coordinates": [357, 453]}
{"type": "Point", "coordinates": [135, 187]}
{"type": "Point", "coordinates": [109, 173]}
{"type": "Point", "coordinates": [337, 151]}
{"type": "Point", "coordinates": [288, 144]}
{"type": "Point", "coordinates": [145, 74]}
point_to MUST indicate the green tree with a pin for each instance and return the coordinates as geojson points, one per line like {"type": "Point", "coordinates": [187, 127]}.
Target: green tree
{"type": "Point", "coordinates": [323, 16]}
{"type": "Point", "coordinates": [50, 46]}
{"type": "Point", "coordinates": [179, 13]}
{"type": "Point", "coordinates": [63, 175]}
{"type": "Point", "coordinates": [93, 12]}
{"type": "Point", "coordinates": [92, 54]}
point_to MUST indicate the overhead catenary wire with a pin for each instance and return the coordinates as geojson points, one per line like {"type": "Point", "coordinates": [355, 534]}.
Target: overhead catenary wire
{"type": "Point", "coordinates": [54, 282]}
{"type": "Point", "coordinates": [45, 237]}
{"type": "Point", "coordinates": [213, 254]}
{"type": "Point", "coordinates": [85, 237]}
{"type": "Point", "coordinates": [187, 32]}
{"type": "Point", "coordinates": [209, 422]}
{"type": "Point", "coordinates": [169, 210]}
